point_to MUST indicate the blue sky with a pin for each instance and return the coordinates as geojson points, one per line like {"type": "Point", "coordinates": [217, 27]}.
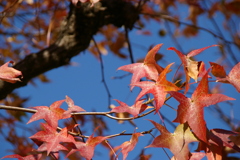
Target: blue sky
{"type": "Point", "coordinates": [82, 83]}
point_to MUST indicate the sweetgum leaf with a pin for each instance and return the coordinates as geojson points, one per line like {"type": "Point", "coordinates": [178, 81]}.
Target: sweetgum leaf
{"type": "Point", "coordinates": [197, 156]}
{"type": "Point", "coordinates": [218, 139]}
{"type": "Point", "coordinates": [218, 70]}
{"type": "Point", "coordinates": [191, 109]}
{"type": "Point", "coordinates": [149, 68]}
{"type": "Point", "coordinates": [129, 145]}
{"type": "Point", "coordinates": [71, 108]}
{"type": "Point", "coordinates": [177, 142]}
{"type": "Point", "coordinates": [9, 74]}
{"type": "Point", "coordinates": [86, 150]}
{"type": "Point", "coordinates": [134, 110]}
{"type": "Point", "coordinates": [54, 151]}
{"type": "Point", "coordinates": [234, 76]}
{"type": "Point", "coordinates": [191, 67]}
{"type": "Point", "coordinates": [159, 88]}
{"type": "Point", "coordinates": [51, 114]}
{"type": "Point", "coordinates": [52, 137]}
{"type": "Point", "coordinates": [224, 140]}
{"type": "Point", "coordinates": [29, 157]}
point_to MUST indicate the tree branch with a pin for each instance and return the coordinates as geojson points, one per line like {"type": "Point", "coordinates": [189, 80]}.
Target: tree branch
{"type": "Point", "coordinates": [107, 114]}
{"type": "Point", "coordinates": [75, 34]}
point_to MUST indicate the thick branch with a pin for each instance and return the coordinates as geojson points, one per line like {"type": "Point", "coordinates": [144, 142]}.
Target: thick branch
{"type": "Point", "coordinates": [75, 34]}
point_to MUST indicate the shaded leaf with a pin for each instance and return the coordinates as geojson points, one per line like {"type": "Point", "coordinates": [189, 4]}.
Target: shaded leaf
{"type": "Point", "coordinates": [177, 142]}
{"type": "Point", "coordinates": [218, 139]}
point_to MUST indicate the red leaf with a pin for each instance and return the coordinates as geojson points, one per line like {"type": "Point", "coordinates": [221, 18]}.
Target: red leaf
{"type": "Point", "coordinates": [52, 137]}
{"type": "Point", "coordinates": [86, 150]}
{"type": "Point", "coordinates": [134, 110]}
{"type": "Point", "coordinates": [149, 68]}
{"type": "Point", "coordinates": [29, 157]}
{"type": "Point", "coordinates": [177, 142]}
{"type": "Point", "coordinates": [191, 67]}
{"type": "Point", "coordinates": [55, 150]}
{"type": "Point", "coordinates": [158, 89]}
{"type": "Point", "coordinates": [191, 109]}
{"type": "Point", "coordinates": [129, 145]}
{"type": "Point", "coordinates": [71, 108]}
{"type": "Point", "coordinates": [234, 76]}
{"type": "Point", "coordinates": [9, 74]}
{"type": "Point", "coordinates": [51, 114]}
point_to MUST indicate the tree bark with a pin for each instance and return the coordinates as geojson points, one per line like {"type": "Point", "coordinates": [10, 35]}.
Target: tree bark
{"type": "Point", "coordinates": [76, 32]}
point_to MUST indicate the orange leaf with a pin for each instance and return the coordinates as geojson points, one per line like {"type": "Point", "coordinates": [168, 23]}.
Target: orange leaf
{"type": "Point", "coordinates": [218, 70]}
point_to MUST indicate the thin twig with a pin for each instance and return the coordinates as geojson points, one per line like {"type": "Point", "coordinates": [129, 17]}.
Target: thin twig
{"type": "Point", "coordinates": [232, 55]}
{"type": "Point", "coordinates": [102, 72]}
{"type": "Point", "coordinates": [78, 128]}
{"type": "Point", "coordinates": [129, 45]}
{"type": "Point", "coordinates": [173, 37]}
{"type": "Point", "coordinates": [169, 18]}
{"type": "Point", "coordinates": [109, 136]}
{"type": "Point", "coordinates": [107, 114]}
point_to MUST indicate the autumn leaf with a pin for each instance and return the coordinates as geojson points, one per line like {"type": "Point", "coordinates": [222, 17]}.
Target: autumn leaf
{"type": "Point", "coordinates": [71, 108]}
{"type": "Point", "coordinates": [84, 1]}
{"type": "Point", "coordinates": [149, 68]}
{"type": "Point", "coordinates": [54, 151]}
{"type": "Point", "coordinates": [197, 155]}
{"type": "Point", "coordinates": [191, 109]}
{"type": "Point", "coordinates": [218, 70]}
{"type": "Point", "coordinates": [234, 76]}
{"type": "Point", "coordinates": [9, 74]}
{"type": "Point", "coordinates": [177, 142]}
{"type": "Point", "coordinates": [191, 67]}
{"type": "Point", "coordinates": [29, 157]}
{"type": "Point", "coordinates": [129, 145]}
{"type": "Point", "coordinates": [86, 150]}
{"type": "Point", "coordinates": [122, 115]}
{"type": "Point", "coordinates": [134, 110]}
{"type": "Point", "coordinates": [159, 88]}
{"type": "Point", "coordinates": [51, 114]}
{"type": "Point", "coordinates": [218, 139]}
{"type": "Point", "coordinates": [52, 137]}
{"type": "Point", "coordinates": [144, 156]}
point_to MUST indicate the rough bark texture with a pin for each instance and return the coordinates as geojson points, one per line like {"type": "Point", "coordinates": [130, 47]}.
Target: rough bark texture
{"type": "Point", "coordinates": [75, 34]}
